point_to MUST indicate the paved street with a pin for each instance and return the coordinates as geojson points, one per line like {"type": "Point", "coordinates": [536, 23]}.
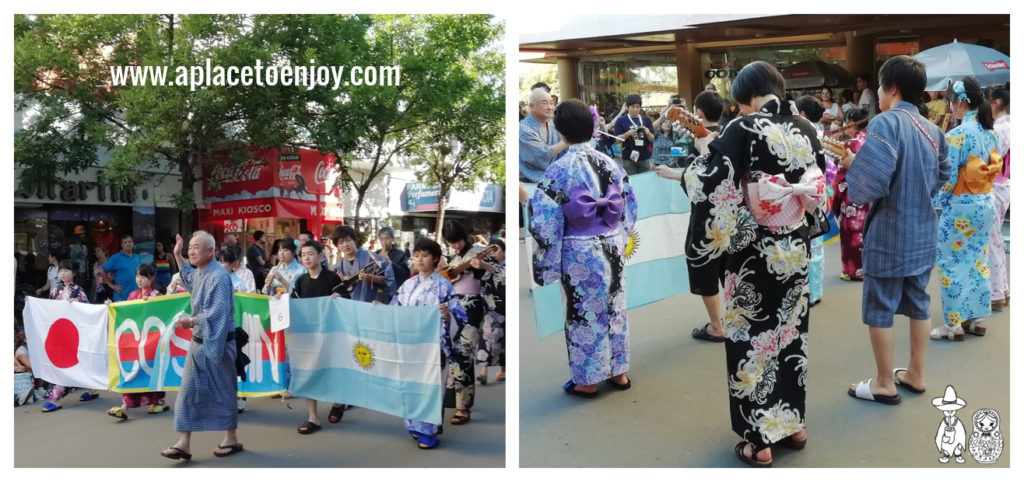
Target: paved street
{"type": "Point", "coordinates": [676, 414]}
{"type": "Point", "coordinates": [82, 435]}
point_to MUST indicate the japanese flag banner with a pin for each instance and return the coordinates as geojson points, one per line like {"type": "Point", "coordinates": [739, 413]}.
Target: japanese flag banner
{"type": "Point", "coordinates": [67, 342]}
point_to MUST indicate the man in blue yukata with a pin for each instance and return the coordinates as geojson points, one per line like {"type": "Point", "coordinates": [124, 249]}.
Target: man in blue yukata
{"type": "Point", "coordinates": [209, 385]}
{"type": "Point", "coordinates": [898, 170]}
{"type": "Point", "coordinates": [539, 142]}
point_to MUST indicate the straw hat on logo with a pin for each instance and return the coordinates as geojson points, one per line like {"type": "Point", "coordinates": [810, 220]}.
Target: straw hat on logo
{"type": "Point", "coordinates": [949, 401]}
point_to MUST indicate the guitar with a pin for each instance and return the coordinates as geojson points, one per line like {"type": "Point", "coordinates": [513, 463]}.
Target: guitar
{"type": "Point", "coordinates": [349, 284]}
{"type": "Point", "coordinates": [691, 122]}
{"type": "Point", "coordinates": [833, 147]}
{"type": "Point", "coordinates": [446, 272]}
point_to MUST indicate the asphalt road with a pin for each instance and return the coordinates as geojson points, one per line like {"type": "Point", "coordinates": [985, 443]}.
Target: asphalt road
{"type": "Point", "coordinates": [82, 435]}
{"type": "Point", "coordinates": [676, 414]}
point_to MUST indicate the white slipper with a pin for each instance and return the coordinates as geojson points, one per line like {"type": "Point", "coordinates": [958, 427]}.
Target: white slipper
{"type": "Point", "coordinates": [863, 392]}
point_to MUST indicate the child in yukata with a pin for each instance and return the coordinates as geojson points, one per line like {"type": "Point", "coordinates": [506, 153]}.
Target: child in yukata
{"type": "Point", "coordinates": [66, 290]}
{"type": "Point", "coordinates": [428, 288]}
{"type": "Point", "coordinates": [145, 275]}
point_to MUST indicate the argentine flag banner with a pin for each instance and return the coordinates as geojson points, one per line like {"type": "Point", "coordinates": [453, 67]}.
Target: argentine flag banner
{"type": "Point", "coordinates": [385, 358]}
{"type": "Point", "coordinates": [655, 257]}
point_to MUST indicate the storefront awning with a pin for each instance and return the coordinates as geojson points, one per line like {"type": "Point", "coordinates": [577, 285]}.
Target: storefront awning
{"type": "Point", "coordinates": [274, 207]}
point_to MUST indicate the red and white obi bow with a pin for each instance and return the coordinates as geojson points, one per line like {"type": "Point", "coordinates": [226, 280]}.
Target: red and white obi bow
{"type": "Point", "coordinates": [775, 202]}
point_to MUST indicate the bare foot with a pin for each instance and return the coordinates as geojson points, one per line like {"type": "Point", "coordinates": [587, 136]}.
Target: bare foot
{"type": "Point", "coordinates": [799, 436]}
{"type": "Point", "coordinates": [587, 388]}
{"type": "Point", "coordinates": [910, 380]}
{"type": "Point", "coordinates": [617, 379]}
{"type": "Point", "coordinates": [763, 456]}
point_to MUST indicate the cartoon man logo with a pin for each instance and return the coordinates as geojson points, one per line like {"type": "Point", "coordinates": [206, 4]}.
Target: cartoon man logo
{"type": "Point", "coordinates": [951, 439]}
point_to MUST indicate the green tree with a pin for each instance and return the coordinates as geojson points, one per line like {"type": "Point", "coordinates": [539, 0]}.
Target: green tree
{"type": "Point", "coordinates": [441, 70]}
{"type": "Point", "coordinates": [63, 75]}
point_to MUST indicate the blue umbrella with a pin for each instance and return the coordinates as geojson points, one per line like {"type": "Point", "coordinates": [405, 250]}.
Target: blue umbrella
{"type": "Point", "coordinates": [953, 61]}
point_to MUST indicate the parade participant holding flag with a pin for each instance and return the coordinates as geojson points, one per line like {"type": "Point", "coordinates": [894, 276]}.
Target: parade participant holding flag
{"type": "Point", "coordinates": [428, 288]}
{"type": "Point", "coordinates": [316, 282]}
{"type": "Point", "coordinates": [209, 384]}
{"type": "Point", "coordinates": [145, 276]}
{"type": "Point", "coordinates": [68, 291]}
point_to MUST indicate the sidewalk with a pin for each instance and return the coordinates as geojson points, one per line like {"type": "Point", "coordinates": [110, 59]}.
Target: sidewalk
{"type": "Point", "coordinates": [676, 414]}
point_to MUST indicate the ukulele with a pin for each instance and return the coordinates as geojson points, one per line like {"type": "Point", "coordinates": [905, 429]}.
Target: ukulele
{"type": "Point", "coordinates": [833, 147]}
{"type": "Point", "coordinates": [691, 122]}
{"type": "Point", "coordinates": [446, 272]}
{"type": "Point", "coordinates": [349, 284]}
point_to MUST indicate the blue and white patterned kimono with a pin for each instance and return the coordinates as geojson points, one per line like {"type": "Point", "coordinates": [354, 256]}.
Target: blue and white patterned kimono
{"type": "Point", "coordinates": [964, 227]}
{"type": "Point", "coordinates": [209, 390]}
{"type": "Point", "coordinates": [589, 260]}
{"type": "Point", "coordinates": [431, 291]}
{"type": "Point", "coordinates": [290, 273]}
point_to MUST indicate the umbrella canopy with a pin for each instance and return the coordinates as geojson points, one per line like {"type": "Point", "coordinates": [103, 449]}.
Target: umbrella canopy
{"type": "Point", "coordinates": [953, 61]}
{"type": "Point", "coordinates": [815, 73]}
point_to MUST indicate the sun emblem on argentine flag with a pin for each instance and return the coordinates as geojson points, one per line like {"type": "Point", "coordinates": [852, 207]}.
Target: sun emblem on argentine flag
{"type": "Point", "coordinates": [633, 244]}
{"type": "Point", "coordinates": [364, 355]}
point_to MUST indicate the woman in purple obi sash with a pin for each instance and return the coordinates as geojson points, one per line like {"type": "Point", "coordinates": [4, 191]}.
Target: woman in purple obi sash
{"type": "Point", "coordinates": [583, 212]}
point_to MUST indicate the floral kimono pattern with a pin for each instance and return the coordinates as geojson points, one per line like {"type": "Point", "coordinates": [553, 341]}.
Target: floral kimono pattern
{"type": "Point", "coordinates": [64, 292]}
{"type": "Point", "coordinates": [766, 266]}
{"type": "Point", "coordinates": [491, 347]}
{"type": "Point", "coordinates": [850, 217]}
{"type": "Point", "coordinates": [964, 229]}
{"type": "Point", "coordinates": [460, 388]}
{"type": "Point", "coordinates": [431, 291]}
{"type": "Point", "coordinates": [587, 254]}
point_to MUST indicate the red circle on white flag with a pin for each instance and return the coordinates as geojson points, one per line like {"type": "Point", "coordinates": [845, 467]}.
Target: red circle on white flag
{"type": "Point", "coordinates": [62, 343]}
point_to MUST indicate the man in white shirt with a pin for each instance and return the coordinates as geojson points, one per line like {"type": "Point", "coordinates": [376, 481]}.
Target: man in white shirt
{"type": "Point", "coordinates": [868, 99]}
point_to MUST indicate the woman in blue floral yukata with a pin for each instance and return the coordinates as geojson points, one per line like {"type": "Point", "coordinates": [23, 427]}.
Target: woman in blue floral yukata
{"type": "Point", "coordinates": [758, 199]}
{"type": "Point", "coordinates": [583, 212]}
{"type": "Point", "coordinates": [968, 213]}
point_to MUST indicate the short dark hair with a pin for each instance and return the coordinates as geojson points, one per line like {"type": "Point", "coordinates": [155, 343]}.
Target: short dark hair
{"type": "Point", "coordinates": [308, 233]}
{"type": "Point", "coordinates": [127, 236]}
{"type": "Point", "coordinates": [846, 95]}
{"type": "Point", "coordinates": [573, 121]}
{"type": "Point", "coordinates": [710, 103]}
{"type": "Point", "coordinates": [864, 76]}
{"type": "Point", "coordinates": [258, 235]}
{"type": "Point", "coordinates": [226, 256]}
{"type": "Point", "coordinates": [346, 232]}
{"type": "Point", "coordinates": [315, 245]}
{"type": "Point", "coordinates": [454, 231]}
{"type": "Point", "coordinates": [236, 250]}
{"type": "Point", "coordinates": [427, 245]}
{"type": "Point", "coordinates": [498, 242]}
{"type": "Point", "coordinates": [1000, 92]}
{"type": "Point", "coordinates": [541, 85]}
{"type": "Point", "coordinates": [287, 243]}
{"type": "Point", "coordinates": [146, 270]}
{"type": "Point", "coordinates": [905, 73]}
{"type": "Point", "coordinates": [756, 79]}
{"type": "Point", "coordinates": [634, 99]}
{"type": "Point", "coordinates": [66, 264]}
{"type": "Point", "coordinates": [810, 107]}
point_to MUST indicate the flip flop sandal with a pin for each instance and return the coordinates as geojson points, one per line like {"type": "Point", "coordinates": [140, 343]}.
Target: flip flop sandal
{"type": "Point", "coordinates": [116, 412]}
{"type": "Point", "coordinates": [903, 384]}
{"type": "Point", "coordinates": [155, 409]}
{"type": "Point", "coordinates": [233, 449]}
{"type": "Point", "coordinates": [971, 326]}
{"type": "Point", "coordinates": [863, 392]}
{"type": "Point", "coordinates": [51, 407]}
{"type": "Point", "coordinates": [792, 443]}
{"type": "Point", "coordinates": [570, 388]}
{"type": "Point", "coordinates": [945, 333]}
{"type": "Point", "coordinates": [307, 428]}
{"type": "Point", "coordinates": [336, 413]}
{"type": "Point", "coordinates": [624, 386]}
{"type": "Point", "coordinates": [88, 396]}
{"type": "Point", "coordinates": [754, 450]}
{"type": "Point", "coordinates": [482, 379]}
{"type": "Point", "coordinates": [458, 419]}
{"type": "Point", "coordinates": [702, 334]}
{"type": "Point", "coordinates": [176, 454]}
{"type": "Point", "coordinates": [426, 442]}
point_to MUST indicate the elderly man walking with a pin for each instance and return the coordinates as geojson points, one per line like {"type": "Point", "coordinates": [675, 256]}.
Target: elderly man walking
{"type": "Point", "coordinates": [207, 399]}
{"type": "Point", "coordinates": [539, 142]}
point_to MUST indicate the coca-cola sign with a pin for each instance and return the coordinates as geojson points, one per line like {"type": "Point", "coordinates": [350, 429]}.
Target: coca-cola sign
{"type": "Point", "coordinates": [228, 174]}
{"type": "Point", "coordinates": [995, 65]}
{"type": "Point", "coordinates": [323, 172]}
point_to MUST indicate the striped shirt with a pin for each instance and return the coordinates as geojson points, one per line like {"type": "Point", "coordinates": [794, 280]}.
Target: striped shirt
{"type": "Point", "coordinates": [535, 151]}
{"type": "Point", "coordinates": [898, 171]}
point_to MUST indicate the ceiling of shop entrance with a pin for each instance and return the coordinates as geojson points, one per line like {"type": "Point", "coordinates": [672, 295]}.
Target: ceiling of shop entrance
{"type": "Point", "coordinates": [591, 41]}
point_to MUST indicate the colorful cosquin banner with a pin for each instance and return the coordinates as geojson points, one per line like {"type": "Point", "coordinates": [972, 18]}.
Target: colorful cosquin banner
{"type": "Point", "coordinates": [148, 354]}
